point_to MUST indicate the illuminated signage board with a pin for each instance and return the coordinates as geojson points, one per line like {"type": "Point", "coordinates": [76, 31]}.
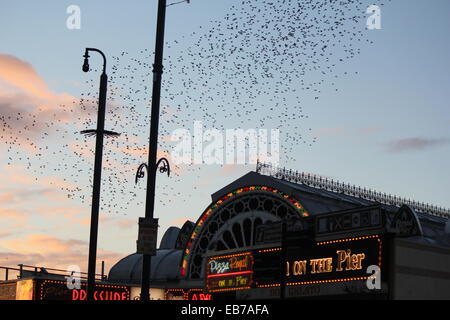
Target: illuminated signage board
{"type": "Point", "coordinates": [317, 263]}
{"type": "Point", "coordinates": [338, 260]}
{"type": "Point", "coordinates": [231, 272]}
{"type": "Point", "coordinates": [193, 295]}
{"type": "Point", "coordinates": [58, 290]}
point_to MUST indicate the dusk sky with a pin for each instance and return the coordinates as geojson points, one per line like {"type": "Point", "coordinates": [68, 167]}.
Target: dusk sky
{"type": "Point", "coordinates": [375, 114]}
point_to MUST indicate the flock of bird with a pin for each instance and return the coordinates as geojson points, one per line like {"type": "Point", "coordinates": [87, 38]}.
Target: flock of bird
{"type": "Point", "coordinates": [260, 66]}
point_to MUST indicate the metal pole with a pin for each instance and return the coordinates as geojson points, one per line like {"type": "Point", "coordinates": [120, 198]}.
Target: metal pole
{"type": "Point", "coordinates": [151, 174]}
{"type": "Point", "coordinates": [103, 270]}
{"type": "Point", "coordinates": [96, 188]}
{"type": "Point", "coordinates": [282, 260]}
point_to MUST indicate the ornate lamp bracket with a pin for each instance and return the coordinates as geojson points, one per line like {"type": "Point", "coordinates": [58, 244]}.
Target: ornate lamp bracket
{"type": "Point", "coordinates": [162, 164]}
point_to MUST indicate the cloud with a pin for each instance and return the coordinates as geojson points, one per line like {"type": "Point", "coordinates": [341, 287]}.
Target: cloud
{"type": "Point", "coordinates": [27, 105]}
{"type": "Point", "coordinates": [20, 74]}
{"type": "Point", "coordinates": [18, 196]}
{"type": "Point", "coordinates": [5, 234]}
{"type": "Point", "coordinates": [413, 144]}
{"type": "Point", "coordinates": [111, 221]}
{"type": "Point", "coordinates": [24, 198]}
{"type": "Point", "coordinates": [13, 214]}
{"type": "Point", "coordinates": [43, 244]}
{"type": "Point", "coordinates": [44, 250]}
{"type": "Point", "coordinates": [127, 223]}
{"type": "Point", "coordinates": [19, 187]}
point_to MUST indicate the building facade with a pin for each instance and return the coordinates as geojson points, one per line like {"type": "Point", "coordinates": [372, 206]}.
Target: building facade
{"type": "Point", "coordinates": [278, 234]}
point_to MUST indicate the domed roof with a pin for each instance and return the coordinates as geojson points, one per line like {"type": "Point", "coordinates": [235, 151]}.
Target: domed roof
{"type": "Point", "coordinates": [169, 239]}
{"type": "Point", "coordinates": [164, 266]}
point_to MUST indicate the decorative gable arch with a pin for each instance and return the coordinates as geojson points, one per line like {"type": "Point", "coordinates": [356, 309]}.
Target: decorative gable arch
{"type": "Point", "coordinates": [231, 221]}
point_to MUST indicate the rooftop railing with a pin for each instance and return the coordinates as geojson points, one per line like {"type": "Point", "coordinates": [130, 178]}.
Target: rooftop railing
{"type": "Point", "coordinates": [22, 271]}
{"type": "Point", "coordinates": [324, 183]}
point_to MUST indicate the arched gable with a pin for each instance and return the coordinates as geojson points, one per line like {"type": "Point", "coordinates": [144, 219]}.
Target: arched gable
{"type": "Point", "coordinates": [250, 202]}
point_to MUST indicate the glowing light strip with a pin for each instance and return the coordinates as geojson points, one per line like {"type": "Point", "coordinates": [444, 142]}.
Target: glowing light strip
{"type": "Point", "coordinates": [231, 256]}
{"type": "Point", "coordinates": [223, 275]}
{"type": "Point", "coordinates": [230, 289]}
{"type": "Point", "coordinates": [315, 282]}
{"type": "Point", "coordinates": [326, 281]}
{"type": "Point", "coordinates": [84, 283]}
{"type": "Point", "coordinates": [380, 251]}
{"type": "Point", "coordinates": [347, 240]}
{"type": "Point", "coordinates": [211, 208]}
{"type": "Point", "coordinates": [268, 285]}
{"type": "Point", "coordinates": [96, 285]}
{"type": "Point", "coordinates": [269, 250]}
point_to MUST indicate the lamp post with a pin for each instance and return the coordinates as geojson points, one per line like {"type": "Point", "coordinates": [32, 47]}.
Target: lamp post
{"type": "Point", "coordinates": [149, 223]}
{"type": "Point", "coordinates": [100, 132]}
{"type": "Point", "coordinates": [153, 143]}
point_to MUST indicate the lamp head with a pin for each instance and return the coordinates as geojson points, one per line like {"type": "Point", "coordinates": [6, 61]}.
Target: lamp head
{"type": "Point", "coordinates": [86, 62]}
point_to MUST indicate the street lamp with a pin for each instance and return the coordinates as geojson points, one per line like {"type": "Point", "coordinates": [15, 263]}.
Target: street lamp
{"type": "Point", "coordinates": [100, 132]}
{"type": "Point", "coordinates": [149, 223]}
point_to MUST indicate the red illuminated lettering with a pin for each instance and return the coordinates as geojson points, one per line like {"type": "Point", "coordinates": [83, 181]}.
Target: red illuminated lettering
{"type": "Point", "coordinates": [75, 294]}
{"type": "Point", "coordinates": [99, 295]}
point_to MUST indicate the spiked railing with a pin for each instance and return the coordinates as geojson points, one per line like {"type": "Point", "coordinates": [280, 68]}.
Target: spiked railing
{"type": "Point", "coordinates": [324, 183]}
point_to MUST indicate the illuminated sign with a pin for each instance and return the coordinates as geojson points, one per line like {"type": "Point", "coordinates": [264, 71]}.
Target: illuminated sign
{"type": "Point", "coordinates": [57, 290]}
{"type": "Point", "coordinates": [231, 272]}
{"type": "Point", "coordinates": [321, 262]}
{"type": "Point", "coordinates": [107, 294]}
{"type": "Point", "coordinates": [346, 259]}
{"type": "Point", "coordinates": [192, 295]}
{"type": "Point", "coordinates": [213, 207]}
{"type": "Point", "coordinates": [187, 294]}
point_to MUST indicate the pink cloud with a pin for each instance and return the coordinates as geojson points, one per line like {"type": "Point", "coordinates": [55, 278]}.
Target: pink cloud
{"type": "Point", "coordinates": [28, 106]}
{"type": "Point", "coordinates": [127, 223]}
{"type": "Point", "coordinates": [5, 234]}
{"type": "Point", "coordinates": [42, 244]}
{"type": "Point", "coordinates": [44, 250]}
{"type": "Point", "coordinates": [13, 214]}
{"type": "Point", "coordinates": [19, 187]}
{"type": "Point", "coordinates": [20, 74]}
